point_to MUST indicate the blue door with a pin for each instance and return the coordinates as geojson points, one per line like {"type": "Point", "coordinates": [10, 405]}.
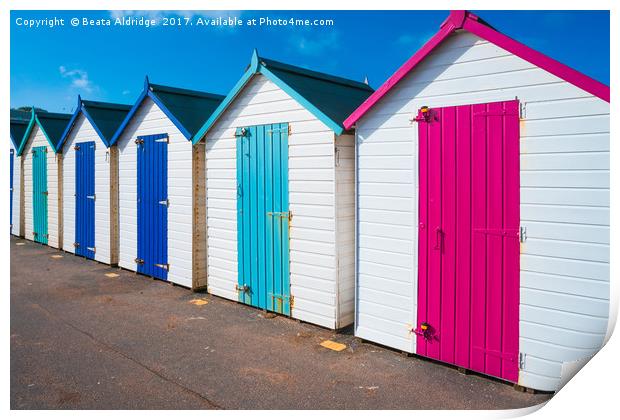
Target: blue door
{"type": "Point", "coordinates": [263, 217]}
{"type": "Point", "coordinates": [11, 177]}
{"type": "Point", "coordinates": [153, 204]}
{"type": "Point", "coordinates": [85, 199]}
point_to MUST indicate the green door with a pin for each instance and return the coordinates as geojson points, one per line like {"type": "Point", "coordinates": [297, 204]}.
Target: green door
{"type": "Point", "coordinates": [39, 194]}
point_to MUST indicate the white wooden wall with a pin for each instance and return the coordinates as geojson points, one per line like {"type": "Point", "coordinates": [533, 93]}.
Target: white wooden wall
{"type": "Point", "coordinates": [564, 203]}
{"type": "Point", "coordinates": [15, 221]}
{"type": "Point", "coordinates": [36, 139]}
{"type": "Point", "coordinates": [150, 119]}
{"type": "Point", "coordinates": [312, 182]}
{"type": "Point", "coordinates": [83, 131]}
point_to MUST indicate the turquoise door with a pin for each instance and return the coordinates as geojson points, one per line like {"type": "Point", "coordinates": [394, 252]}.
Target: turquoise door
{"type": "Point", "coordinates": [263, 217]}
{"type": "Point", "coordinates": [39, 194]}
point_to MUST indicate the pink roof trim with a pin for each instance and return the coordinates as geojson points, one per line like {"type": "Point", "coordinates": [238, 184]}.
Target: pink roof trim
{"type": "Point", "coordinates": [461, 19]}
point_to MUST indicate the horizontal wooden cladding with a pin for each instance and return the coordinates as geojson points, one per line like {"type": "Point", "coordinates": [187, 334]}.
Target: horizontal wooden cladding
{"type": "Point", "coordinates": [571, 178]}
{"type": "Point", "coordinates": [565, 267]}
{"type": "Point", "coordinates": [565, 161]}
{"type": "Point", "coordinates": [575, 143]}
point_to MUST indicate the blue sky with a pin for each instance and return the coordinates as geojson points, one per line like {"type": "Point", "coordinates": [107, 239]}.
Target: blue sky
{"type": "Point", "coordinates": [50, 66]}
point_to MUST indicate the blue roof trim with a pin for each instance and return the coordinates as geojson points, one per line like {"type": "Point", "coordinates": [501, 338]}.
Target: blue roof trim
{"type": "Point", "coordinates": [65, 134]}
{"type": "Point", "coordinates": [92, 122]}
{"type": "Point", "coordinates": [225, 103]}
{"type": "Point", "coordinates": [147, 92]}
{"type": "Point", "coordinates": [255, 68]}
{"type": "Point", "coordinates": [169, 114]}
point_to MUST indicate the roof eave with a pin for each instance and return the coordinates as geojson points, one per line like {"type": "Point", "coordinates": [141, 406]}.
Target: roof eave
{"type": "Point", "coordinates": [255, 68]}
{"type": "Point", "coordinates": [148, 92]}
{"type": "Point", "coordinates": [461, 19]}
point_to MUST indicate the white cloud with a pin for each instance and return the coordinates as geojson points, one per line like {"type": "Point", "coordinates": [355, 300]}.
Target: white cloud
{"type": "Point", "coordinates": [317, 45]}
{"type": "Point", "coordinates": [79, 78]}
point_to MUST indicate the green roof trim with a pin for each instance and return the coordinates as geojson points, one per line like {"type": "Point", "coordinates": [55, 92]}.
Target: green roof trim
{"type": "Point", "coordinates": [329, 98]}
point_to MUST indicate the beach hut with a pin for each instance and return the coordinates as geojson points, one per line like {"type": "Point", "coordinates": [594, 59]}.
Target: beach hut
{"type": "Point", "coordinates": [90, 180]}
{"type": "Point", "coordinates": [483, 208]}
{"type": "Point", "coordinates": [18, 126]}
{"type": "Point", "coordinates": [161, 185]}
{"type": "Point", "coordinates": [42, 163]}
{"type": "Point", "coordinates": [280, 192]}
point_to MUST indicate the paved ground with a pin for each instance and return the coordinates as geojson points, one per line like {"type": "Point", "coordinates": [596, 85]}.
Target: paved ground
{"type": "Point", "coordinates": [82, 340]}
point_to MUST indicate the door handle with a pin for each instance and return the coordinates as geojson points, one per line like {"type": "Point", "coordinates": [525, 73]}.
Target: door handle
{"type": "Point", "coordinates": [165, 202]}
{"type": "Point", "coordinates": [438, 238]}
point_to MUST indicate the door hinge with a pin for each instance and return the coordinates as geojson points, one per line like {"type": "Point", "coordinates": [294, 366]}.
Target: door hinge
{"type": "Point", "coordinates": [336, 156]}
{"type": "Point", "coordinates": [93, 249]}
{"type": "Point", "coordinates": [521, 361]}
{"type": "Point", "coordinates": [92, 197]}
{"type": "Point", "coordinates": [76, 147]}
{"type": "Point", "coordinates": [76, 244]}
{"type": "Point", "coordinates": [165, 202]}
{"type": "Point", "coordinates": [139, 261]}
{"type": "Point", "coordinates": [522, 234]}
{"type": "Point", "coordinates": [522, 110]}
{"type": "Point", "coordinates": [163, 266]}
{"type": "Point", "coordinates": [245, 288]}
{"type": "Point", "coordinates": [139, 141]}
{"type": "Point", "coordinates": [45, 193]}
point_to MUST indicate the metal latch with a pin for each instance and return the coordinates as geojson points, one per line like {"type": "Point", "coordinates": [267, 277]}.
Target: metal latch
{"type": "Point", "coordinates": [521, 361]}
{"type": "Point", "coordinates": [522, 234]}
{"type": "Point", "coordinates": [45, 193]}
{"type": "Point", "coordinates": [245, 288]}
{"type": "Point", "coordinates": [93, 249]}
{"type": "Point", "coordinates": [92, 197]}
{"type": "Point", "coordinates": [163, 266]}
{"type": "Point", "coordinates": [164, 140]}
{"type": "Point", "coordinates": [282, 214]}
{"type": "Point", "coordinates": [139, 261]}
{"type": "Point", "coordinates": [76, 244]}
{"type": "Point", "coordinates": [165, 202]}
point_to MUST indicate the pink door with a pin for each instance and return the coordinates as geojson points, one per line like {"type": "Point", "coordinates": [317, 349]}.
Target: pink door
{"type": "Point", "coordinates": [468, 268]}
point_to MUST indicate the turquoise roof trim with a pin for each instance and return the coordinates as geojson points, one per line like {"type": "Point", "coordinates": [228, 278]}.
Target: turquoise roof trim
{"type": "Point", "coordinates": [57, 125]}
{"type": "Point", "coordinates": [328, 98]}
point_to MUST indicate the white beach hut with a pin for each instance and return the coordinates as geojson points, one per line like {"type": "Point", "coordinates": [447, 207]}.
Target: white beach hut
{"type": "Point", "coordinates": [483, 208]}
